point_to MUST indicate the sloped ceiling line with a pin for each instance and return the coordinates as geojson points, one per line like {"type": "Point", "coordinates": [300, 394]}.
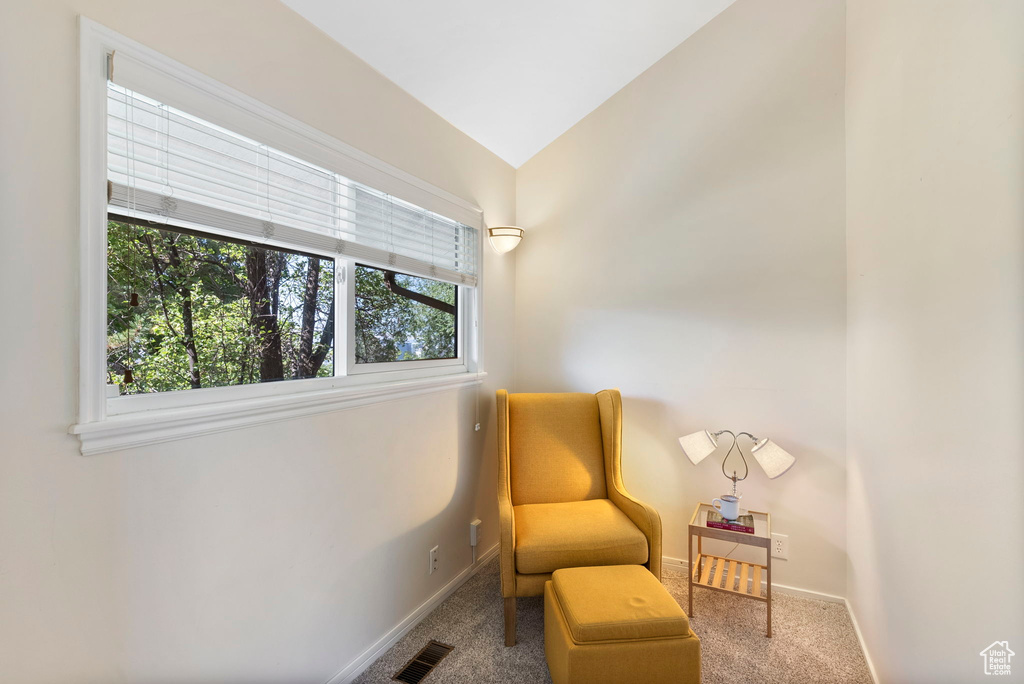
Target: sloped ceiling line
{"type": "Point", "coordinates": [512, 75]}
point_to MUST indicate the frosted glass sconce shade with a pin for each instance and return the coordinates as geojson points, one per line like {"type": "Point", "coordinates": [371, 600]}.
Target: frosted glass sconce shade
{"type": "Point", "coordinates": [698, 446]}
{"type": "Point", "coordinates": [772, 458]}
{"type": "Point", "coordinates": [504, 238]}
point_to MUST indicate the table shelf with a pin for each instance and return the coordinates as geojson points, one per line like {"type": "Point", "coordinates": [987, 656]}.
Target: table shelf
{"type": "Point", "coordinates": [727, 574]}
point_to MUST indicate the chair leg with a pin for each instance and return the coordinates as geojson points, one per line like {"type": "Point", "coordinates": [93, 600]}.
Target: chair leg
{"type": "Point", "coordinates": [510, 621]}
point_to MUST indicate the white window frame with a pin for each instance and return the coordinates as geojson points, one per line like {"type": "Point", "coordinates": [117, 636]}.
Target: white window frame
{"type": "Point", "coordinates": [108, 423]}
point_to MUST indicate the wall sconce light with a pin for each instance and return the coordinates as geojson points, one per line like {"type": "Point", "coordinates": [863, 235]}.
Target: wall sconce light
{"type": "Point", "coordinates": [504, 238]}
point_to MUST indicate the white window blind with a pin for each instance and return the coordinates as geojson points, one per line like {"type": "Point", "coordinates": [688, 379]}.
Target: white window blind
{"type": "Point", "coordinates": [167, 166]}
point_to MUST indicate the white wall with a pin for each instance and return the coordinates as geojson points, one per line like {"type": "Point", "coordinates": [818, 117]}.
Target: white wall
{"type": "Point", "coordinates": [935, 220]}
{"type": "Point", "coordinates": [271, 554]}
{"type": "Point", "coordinates": [685, 242]}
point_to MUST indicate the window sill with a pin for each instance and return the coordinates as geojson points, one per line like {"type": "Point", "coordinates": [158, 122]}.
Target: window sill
{"type": "Point", "coordinates": [129, 430]}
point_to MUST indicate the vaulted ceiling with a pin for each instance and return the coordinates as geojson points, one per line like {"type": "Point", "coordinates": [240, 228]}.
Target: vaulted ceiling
{"type": "Point", "coordinates": [512, 75]}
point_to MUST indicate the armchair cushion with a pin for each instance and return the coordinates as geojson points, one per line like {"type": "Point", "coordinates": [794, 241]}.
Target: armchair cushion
{"type": "Point", "coordinates": [550, 536]}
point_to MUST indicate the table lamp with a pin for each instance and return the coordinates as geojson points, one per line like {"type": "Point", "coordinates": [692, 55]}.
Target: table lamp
{"type": "Point", "coordinates": [772, 458]}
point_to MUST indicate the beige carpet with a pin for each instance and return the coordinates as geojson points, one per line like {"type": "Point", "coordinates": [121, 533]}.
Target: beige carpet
{"type": "Point", "coordinates": [812, 641]}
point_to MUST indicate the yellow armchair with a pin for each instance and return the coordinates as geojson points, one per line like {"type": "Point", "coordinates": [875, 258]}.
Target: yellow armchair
{"type": "Point", "coordinates": [561, 500]}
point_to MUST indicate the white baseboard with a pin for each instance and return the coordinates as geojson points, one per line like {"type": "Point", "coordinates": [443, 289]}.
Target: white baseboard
{"type": "Point", "coordinates": [366, 658]}
{"type": "Point", "coordinates": [860, 638]}
{"type": "Point", "coordinates": [683, 566]}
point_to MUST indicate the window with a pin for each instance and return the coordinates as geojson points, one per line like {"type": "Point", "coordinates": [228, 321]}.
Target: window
{"type": "Point", "coordinates": [222, 254]}
{"type": "Point", "coordinates": [239, 266]}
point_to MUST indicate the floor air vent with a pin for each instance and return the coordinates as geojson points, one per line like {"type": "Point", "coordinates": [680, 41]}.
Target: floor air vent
{"type": "Point", "coordinates": [423, 663]}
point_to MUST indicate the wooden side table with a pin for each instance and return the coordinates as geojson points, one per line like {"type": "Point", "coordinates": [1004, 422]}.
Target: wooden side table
{"type": "Point", "coordinates": [726, 574]}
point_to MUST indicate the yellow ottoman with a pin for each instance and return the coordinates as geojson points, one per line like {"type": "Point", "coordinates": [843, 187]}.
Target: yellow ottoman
{"type": "Point", "coordinates": [616, 623]}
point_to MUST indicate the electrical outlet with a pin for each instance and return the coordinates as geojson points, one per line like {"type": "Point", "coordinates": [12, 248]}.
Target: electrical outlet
{"type": "Point", "coordinates": [780, 546]}
{"type": "Point", "coordinates": [433, 561]}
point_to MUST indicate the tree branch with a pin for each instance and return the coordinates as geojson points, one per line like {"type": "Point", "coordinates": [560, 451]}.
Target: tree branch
{"type": "Point", "coordinates": [185, 292]}
{"type": "Point", "coordinates": [389, 280]}
{"type": "Point", "coordinates": [160, 284]}
{"type": "Point", "coordinates": [309, 295]}
{"type": "Point", "coordinates": [324, 345]}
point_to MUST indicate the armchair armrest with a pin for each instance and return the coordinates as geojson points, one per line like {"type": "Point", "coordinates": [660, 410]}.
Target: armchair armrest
{"type": "Point", "coordinates": [647, 521]}
{"type": "Point", "coordinates": [643, 516]}
{"type": "Point", "coordinates": [506, 514]}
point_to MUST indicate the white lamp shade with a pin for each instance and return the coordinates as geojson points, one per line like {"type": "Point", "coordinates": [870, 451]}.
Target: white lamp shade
{"type": "Point", "coordinates": [772, 458]}
{"type": "Point", "coordinates": [504, 238]}
{"type": "Point", "coordinates": [698, 446]}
